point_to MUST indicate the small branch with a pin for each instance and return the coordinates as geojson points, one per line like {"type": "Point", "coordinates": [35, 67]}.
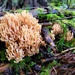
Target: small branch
{"type": "Point", "coordinates": [55, 70]}
{"type": "Point", "coordinates": [65, 18]}
{"type": "Point", "coordinates": [48, 59]}
{"type": "Point", "coordinates": [60, 18]}
{"type": "Point", "coordinates": [44, 24]}
{"type": "Point", "coordinates": [56, 56]}
{"type": "Point", "coordinates": [65, 51]}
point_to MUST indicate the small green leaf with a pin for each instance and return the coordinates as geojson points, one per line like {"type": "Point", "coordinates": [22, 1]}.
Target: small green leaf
{"type": "Point", "coordinates": [73, 51]}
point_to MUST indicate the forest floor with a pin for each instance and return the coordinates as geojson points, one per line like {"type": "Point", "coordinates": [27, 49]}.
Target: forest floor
{"type": "Point", "coordinates": [57, 57]}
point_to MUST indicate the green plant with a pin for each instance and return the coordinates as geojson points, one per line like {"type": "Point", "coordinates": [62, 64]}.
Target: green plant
{"type": "Point", "coordinates": [40, 10]}
{"type": "Point", "coordinates": [25, 65]}
{"type": "Point", "coordinates": [46, 69]}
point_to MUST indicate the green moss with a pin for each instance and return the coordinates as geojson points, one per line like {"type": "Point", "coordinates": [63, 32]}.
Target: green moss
{"type": "Point", "coordinates": [69, 13]}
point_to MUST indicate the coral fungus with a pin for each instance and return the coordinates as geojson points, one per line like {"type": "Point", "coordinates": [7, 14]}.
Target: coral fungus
{"type": "Point", "coordinates": [69, 36]}
{"type": "Point", "coordinates": [21, 34]}
{"type": "Point", "coordinates": [57, 29]}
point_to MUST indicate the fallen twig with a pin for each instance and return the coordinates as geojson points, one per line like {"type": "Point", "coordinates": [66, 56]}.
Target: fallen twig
{"type": "Point", "coordinates": [56, 56]}
{"type": "Point", "coordinates": [65, 18]}
{"type": "Point", "coordinates": [65, 51]}
{"type": "Point", "coordinates": [44, 24]}
{"type": "Point", "coordinates": [48, 59]}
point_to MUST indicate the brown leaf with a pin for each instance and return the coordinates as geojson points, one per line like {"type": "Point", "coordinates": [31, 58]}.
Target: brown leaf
{"type": "Point", "coordinates": [3, 67]}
